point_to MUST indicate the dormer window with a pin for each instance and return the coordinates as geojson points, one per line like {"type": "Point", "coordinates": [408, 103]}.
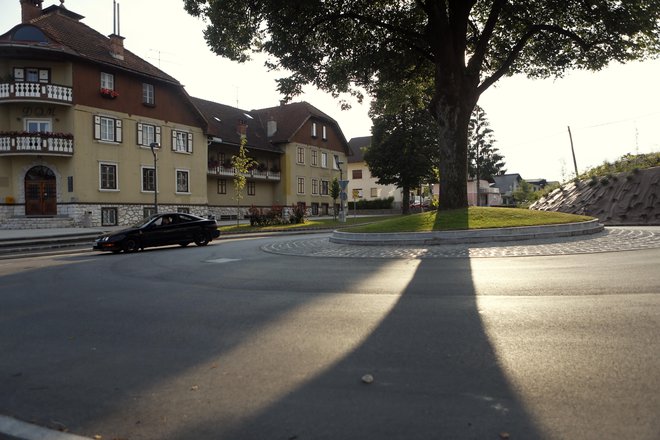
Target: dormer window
{"type": "Point", "coordinates": [313, 129]}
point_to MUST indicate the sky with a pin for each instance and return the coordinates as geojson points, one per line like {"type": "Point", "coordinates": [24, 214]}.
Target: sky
{"type": "Point", "coordinates": [610, 113]}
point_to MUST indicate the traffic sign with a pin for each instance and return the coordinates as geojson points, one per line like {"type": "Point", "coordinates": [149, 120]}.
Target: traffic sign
{"type": "Point", "coordinates": [343, 184]}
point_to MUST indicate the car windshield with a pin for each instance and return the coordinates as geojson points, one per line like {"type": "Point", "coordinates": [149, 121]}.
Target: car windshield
{"type": "Point", "coordinates": [146, 221]}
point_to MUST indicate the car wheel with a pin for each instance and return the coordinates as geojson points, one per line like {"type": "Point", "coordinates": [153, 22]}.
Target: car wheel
{"type": "Point", "coordinates": [184, 244]}
{"type": "Point", "coordinates": [131, 245]}
{"type": "Point", "coordinates": [202, 239]}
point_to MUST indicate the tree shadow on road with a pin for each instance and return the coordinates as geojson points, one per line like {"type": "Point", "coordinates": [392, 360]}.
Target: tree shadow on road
{"type": "Point", "coordinates": [177, 351]}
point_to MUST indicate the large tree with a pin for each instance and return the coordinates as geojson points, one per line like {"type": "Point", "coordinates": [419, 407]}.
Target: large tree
{"type": "Point", "coordinates": [464, 46]}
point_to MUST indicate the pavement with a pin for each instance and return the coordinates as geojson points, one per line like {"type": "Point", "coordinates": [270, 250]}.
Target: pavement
{"type": "Point", "coordinates": [608, 239]}
{"type": "Point", "coordinates": [578, 238]}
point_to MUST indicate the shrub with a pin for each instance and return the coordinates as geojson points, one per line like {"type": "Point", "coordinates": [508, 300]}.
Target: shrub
{"type": "Point", "coordinates": [374, 204]}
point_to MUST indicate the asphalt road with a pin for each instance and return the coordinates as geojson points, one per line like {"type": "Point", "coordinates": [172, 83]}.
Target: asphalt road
{"type": "Point", "coordinates": [230, 342]}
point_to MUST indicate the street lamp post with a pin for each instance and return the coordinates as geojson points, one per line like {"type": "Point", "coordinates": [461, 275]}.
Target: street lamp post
{"type": "Point", "coordinates": [153, 147]}
{"type": "Point", "coordinates": [342, 192]}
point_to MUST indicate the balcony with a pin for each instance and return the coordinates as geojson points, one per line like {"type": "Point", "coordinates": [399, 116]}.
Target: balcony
{"type": "Point", "coordinates": [27, 91]}
{"type": "Point", "coordinates": [52, 144]}
{"type": "Point", "coordinates": [254, 174]}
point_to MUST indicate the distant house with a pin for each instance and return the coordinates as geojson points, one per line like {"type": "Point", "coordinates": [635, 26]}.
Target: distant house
{"type": "Point", "coordinates": [360, 181]}
{"type": "Point", "coordinates": [507, 184]}
{"type": "Point", "coordinates": [489, 194]}
{"type": "Point", "coordinates": [314, 148]}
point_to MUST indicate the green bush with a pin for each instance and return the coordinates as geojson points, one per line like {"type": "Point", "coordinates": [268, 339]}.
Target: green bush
{"type": "Point", "coordinates": [374, 204]}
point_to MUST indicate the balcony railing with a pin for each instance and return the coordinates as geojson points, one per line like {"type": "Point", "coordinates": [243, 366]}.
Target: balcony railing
{"type": "Point", "coordinates": [35, 91]}
{"type": "Point", "coordinates": [255, 174]}
{"type": "Point", "coordinates": [53, 144]}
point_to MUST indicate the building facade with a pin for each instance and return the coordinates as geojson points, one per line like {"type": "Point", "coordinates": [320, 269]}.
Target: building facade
{"type": "Point", "coordinates": [78, 116]}
{"type": "Point", "coordinates": [362, 185]}
{"type": "Point", "coordinates": [92, 133]}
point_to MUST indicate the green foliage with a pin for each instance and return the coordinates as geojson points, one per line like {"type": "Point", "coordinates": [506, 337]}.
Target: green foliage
{"type": "Point", "coordinates": [242, 163]}
{"type": "Point", "coordinates": [628, 163]}
{"type": "Point", "coordinates": [484, 160]}
{"type": "Point", "coordinates": [374, 204]}
{"type": "Point", "coordinates": [455, 50]}
{"type": "Point", "coordinates": [525, 195]}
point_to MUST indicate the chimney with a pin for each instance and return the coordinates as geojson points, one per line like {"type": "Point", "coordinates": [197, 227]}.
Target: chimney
{"type": "Point", "coordinates": [30, 9]}
{"type": "Point", "coordinates": [116, 46]}
{"type": "Point", "coordinates": [116, 41]}
{"type": "Point", "coordinates": [271, 127]}
{"type": "Point", "coordinates": [241, 128]}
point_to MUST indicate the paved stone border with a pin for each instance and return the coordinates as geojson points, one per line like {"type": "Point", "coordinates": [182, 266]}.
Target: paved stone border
{"type": "Point", "coordinates": [611, 239]}
{"type": "Point", "coordinates": [469, 236]}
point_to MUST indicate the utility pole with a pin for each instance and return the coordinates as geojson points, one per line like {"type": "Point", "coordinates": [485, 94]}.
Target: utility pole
{"type": "Point", "coordinates": [570, 136]}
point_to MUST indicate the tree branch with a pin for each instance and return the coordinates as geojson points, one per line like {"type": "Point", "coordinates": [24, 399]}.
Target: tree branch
{"type": "Point", "coordinates": [520, 45]}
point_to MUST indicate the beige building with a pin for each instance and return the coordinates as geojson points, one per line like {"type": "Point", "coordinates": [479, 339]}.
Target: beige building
{"type": "Point", "coordinates": [362, 185]}
{"type": "Point", "coordinates": [79, 114]}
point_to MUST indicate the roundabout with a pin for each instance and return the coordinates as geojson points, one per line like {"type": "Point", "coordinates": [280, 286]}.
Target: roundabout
{"type": "Point", "coordinates": [610, 239]}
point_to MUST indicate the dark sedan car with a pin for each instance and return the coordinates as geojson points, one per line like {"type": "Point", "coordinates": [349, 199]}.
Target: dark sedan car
{"type": "Point", "coordinates": [160, 230]}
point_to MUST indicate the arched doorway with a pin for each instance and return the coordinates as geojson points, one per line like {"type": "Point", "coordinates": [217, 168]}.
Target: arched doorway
{"type": "Point", "coordinates": [40, 191]}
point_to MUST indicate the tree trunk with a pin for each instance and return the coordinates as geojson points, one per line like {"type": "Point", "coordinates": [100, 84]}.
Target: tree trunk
{"type": "Point", "coordinates": [405, 204]}
{"type": "Point", "coordinates": [451, 108]}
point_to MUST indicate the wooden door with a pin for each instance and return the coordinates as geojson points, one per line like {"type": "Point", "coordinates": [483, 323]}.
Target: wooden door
{"type": "Point", "coordinates": [40, 192]}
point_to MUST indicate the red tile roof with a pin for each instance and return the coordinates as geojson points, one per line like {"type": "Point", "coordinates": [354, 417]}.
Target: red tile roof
{"type": "Point", "coordinates": [70, 36]}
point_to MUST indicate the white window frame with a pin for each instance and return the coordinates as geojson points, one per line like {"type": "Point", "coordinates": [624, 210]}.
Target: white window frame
{"type": "Point", "coordinates": [313, 129]}
{"type": "Point", "coordinates": [182, 141]}
{"type": "Point", "coordinates": [107, 81]}
{"type": "Point", "coordinates": [116, 167]}
{"type": "Point", "coordinates": [143, 131]}
{"type": "Point", "coordinates": [314, 160]}
{"type": "Point", "coordinates": [143, 169]}
{"type": "Point", "coordinates": [148, 94]}
{"type": "Point", "coordinates": [324, 160]}
{"type": "Point", "coordinates": [45, 123]}
{"type": "Point", "coordinates": [181, 171]}
{"type": "Point", "coordinates": [100, 121]}
{"type": "Point", "coordinates": [335, 158]}
{"type": "Point", "coordinates": [315, 187]}
{"type": "Point", "coordinates": [324, 133]}
{"type": "Point", "coordinates": [300, 155]}
{"type": "Point", "coordinates": [324, 188]}
{"type": "Point", "coordinates": [300, 181]}
{"type": "Point", "coordinates": [251, 187]}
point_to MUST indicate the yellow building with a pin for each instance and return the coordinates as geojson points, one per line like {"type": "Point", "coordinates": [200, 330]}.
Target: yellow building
{"type": "Point", "coordinates": [80, 113]}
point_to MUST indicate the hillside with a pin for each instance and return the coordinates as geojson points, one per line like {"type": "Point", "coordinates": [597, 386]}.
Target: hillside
{"type": "Point", "coordinates": [625, 198]}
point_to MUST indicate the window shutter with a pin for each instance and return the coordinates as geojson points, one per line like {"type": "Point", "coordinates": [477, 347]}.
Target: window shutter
{"type": "Point", "coordinates": [117, 130]}
{"type": "Point", "coordinates": [190, 142]}
{"type": "Point", "coordinates": [139, 134]}
{"type": "Point", "coordinates": [173, 140]}
{"type": "Point", "coordinates": [97, 127]}
{"type": "Point", "coordinates": [157, 135]}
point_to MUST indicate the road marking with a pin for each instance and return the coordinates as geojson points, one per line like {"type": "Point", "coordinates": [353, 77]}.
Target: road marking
{"type": "Point", "coordinates": [28, 431]}
{"type": "Point", "coordinates": [222, 260]}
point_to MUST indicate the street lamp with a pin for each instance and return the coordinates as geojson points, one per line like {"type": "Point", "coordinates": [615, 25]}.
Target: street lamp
{"type": "Point", "coordinates": [342, 187]}
{"type": "Point", "coordinates": [153, 147]}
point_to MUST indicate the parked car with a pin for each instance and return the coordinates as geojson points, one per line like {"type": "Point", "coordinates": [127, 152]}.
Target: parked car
{"type": "Point", "coordinates": [160, 230]}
